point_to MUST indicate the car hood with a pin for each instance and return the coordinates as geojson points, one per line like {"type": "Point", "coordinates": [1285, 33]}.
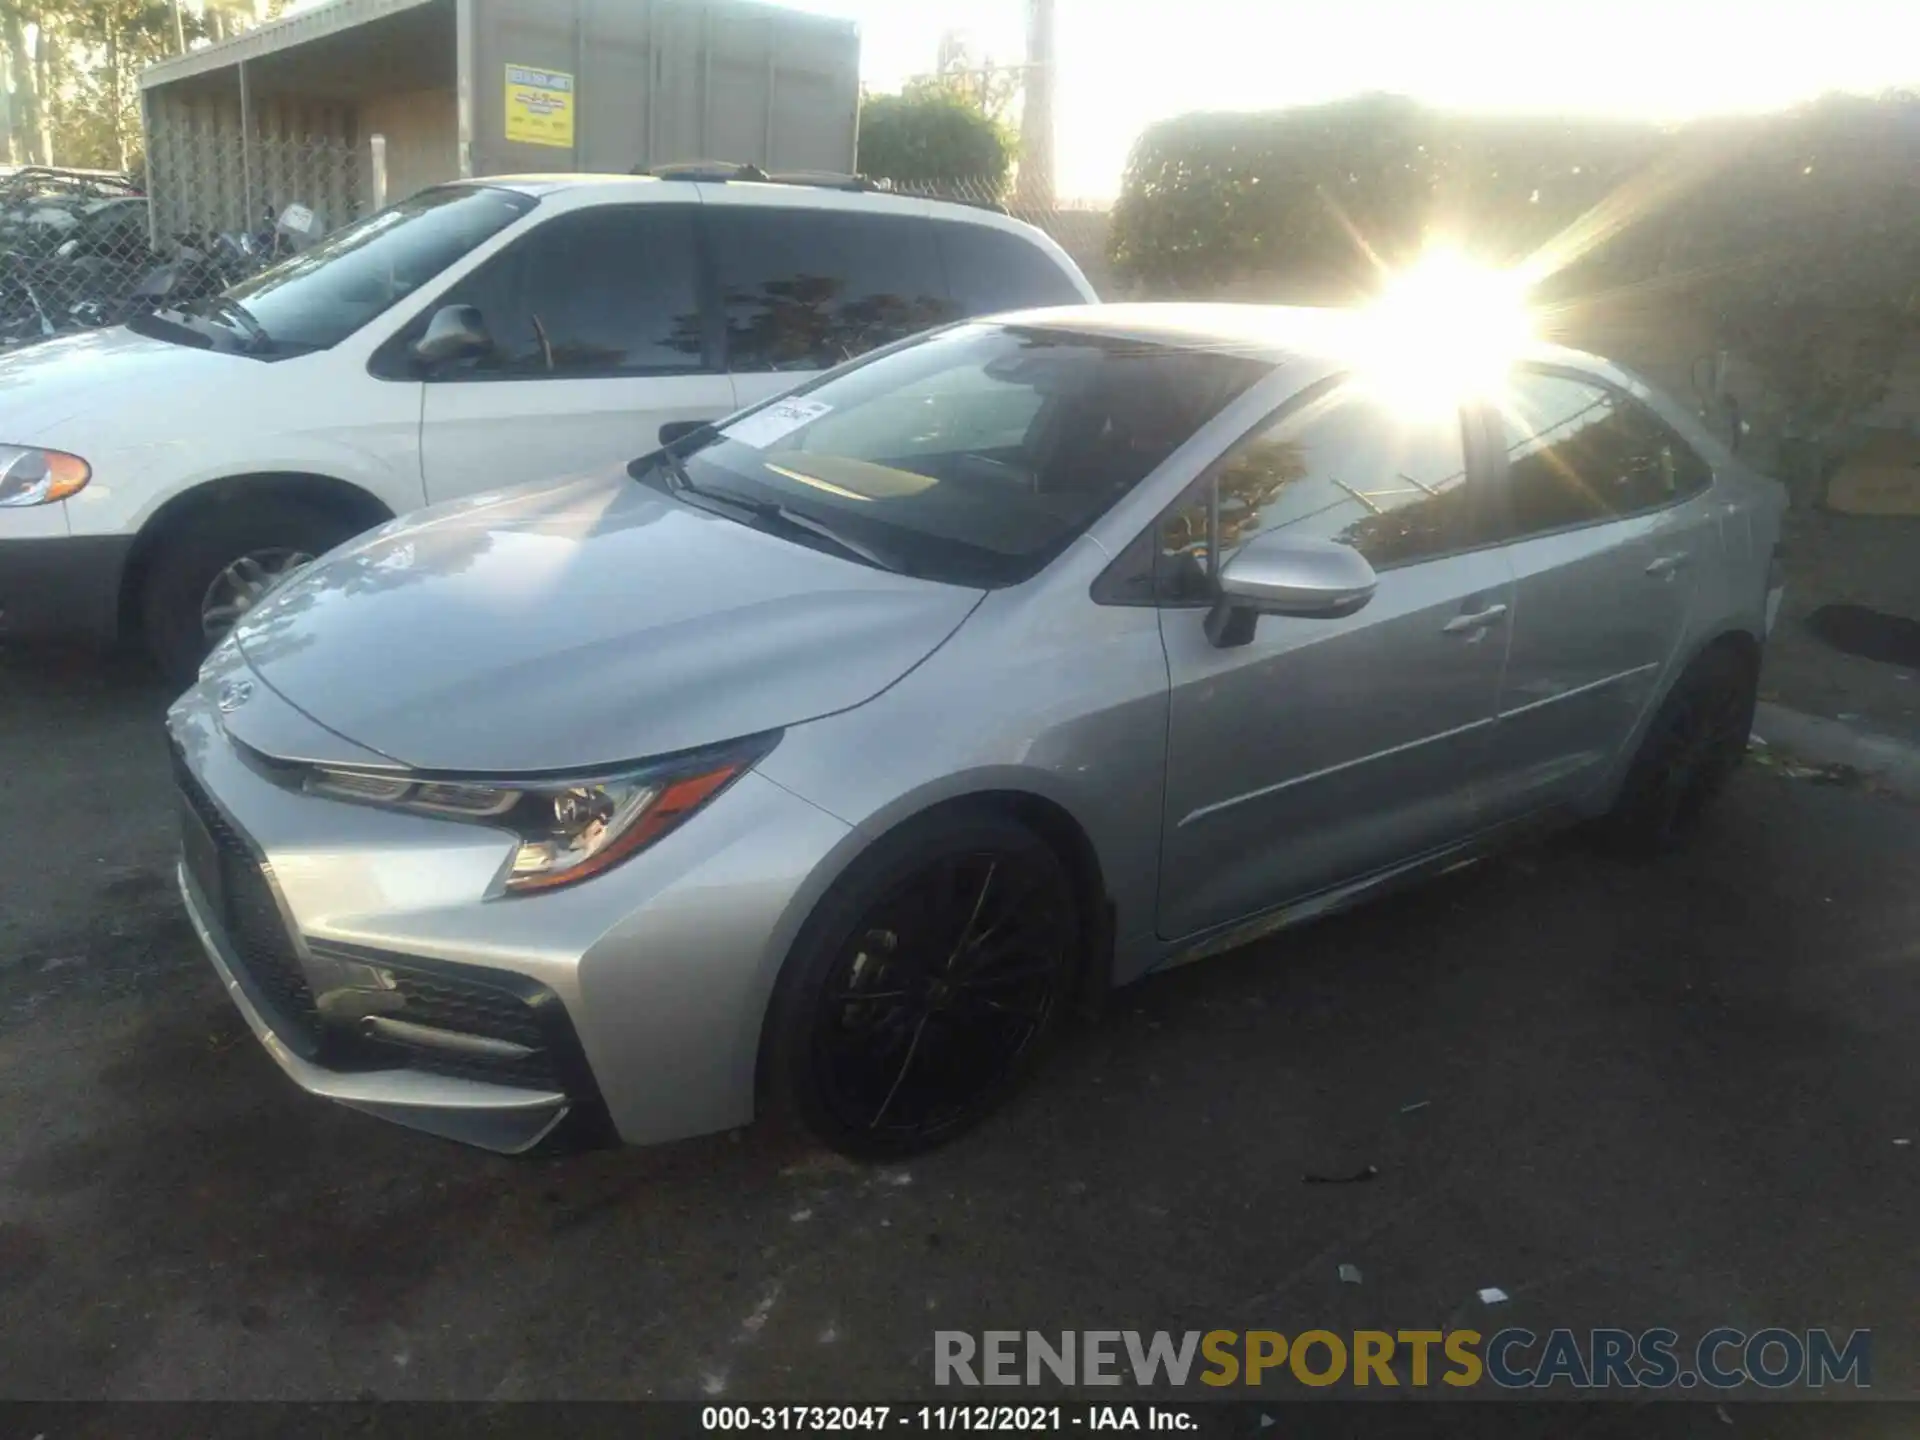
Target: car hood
{"type": "Point", "coordinates": [71, 377]}
{"type": "Point", "coordinates": [584, 623]}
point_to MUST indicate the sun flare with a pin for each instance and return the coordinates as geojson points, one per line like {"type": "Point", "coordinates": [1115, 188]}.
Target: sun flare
{"type": "Point", "coordinates": [1445, 328]}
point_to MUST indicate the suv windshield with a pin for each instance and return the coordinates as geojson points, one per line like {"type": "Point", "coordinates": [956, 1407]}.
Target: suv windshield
{"type": "Point", "coordinates": [322, 295]}
{"type": "Point", "coordinates": [974, 456]}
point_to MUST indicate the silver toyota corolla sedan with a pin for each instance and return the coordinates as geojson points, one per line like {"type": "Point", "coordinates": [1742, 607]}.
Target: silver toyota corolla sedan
{"type": "Point", "coordinates": [826, 759]}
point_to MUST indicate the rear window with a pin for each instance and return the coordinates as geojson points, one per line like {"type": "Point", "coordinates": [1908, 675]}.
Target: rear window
{"type": "Point", "coordinates": [990, 269]}
{"type": "Point", "coordinates": [807, 289]}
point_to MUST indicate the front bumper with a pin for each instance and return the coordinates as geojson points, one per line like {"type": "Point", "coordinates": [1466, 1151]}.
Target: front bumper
{"type": "Point", "coordinates": [642, 990]}
{"type": "Point", "coordinates": [493, 1117]}
{"type": "Point", "coordinates": [62, 587]}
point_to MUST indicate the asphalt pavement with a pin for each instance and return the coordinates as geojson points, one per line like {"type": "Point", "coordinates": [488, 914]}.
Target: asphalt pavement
{"type": "Point", "coordinates": [1629, 1096]}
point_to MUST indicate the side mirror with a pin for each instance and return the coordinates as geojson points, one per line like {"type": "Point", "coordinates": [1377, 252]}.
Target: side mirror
{"type": "Point", "coordinates": [456, 332]}
{"type": "Point", "coordinates": [1280, 574]}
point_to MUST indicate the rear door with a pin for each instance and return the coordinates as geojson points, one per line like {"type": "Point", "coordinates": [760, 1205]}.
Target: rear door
{"type": "Point", "coordinates": [805, 287]}
{"type": "Point", "coordinates": [599, 338]}
{"type": "Point", "coordinates": [1606, 514]}
{"type": "Point", "coordinates": [1327, 749]}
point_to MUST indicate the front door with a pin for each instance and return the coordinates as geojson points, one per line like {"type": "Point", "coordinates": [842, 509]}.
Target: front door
{"type": "Point", "coordinates": [597, 341]}
{"type": "Point", "coordinates": [1607, 514]}
{"type": "Point", "coordinates": [1326, 750]}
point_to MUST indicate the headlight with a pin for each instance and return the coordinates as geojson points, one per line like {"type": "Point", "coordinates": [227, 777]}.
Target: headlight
{"type": "Point", "coordinates": [39, 477]}
{"type": "Point", "coordinates": [569, 828]}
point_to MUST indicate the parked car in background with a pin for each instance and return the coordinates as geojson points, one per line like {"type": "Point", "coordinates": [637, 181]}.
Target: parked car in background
{"type": "Point", "coordinates": [159, 478]}
{"type": "Point", "coordinates": [97, 264]}
{"type": "Point", "coordinates": [42, 207]}
{"type": "Point", "coordinates": [824, 758]}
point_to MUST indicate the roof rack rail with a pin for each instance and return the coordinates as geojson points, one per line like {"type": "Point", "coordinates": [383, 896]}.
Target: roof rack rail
{"type": "Point", "coordinates": [710, 171]}
{"type": "Point", "coordinates": [719, 172]}
{"type": "Point", "coordinates": [829, 180]}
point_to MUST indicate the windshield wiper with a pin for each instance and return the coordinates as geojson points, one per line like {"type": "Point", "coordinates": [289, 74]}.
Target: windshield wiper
{"type": "Point", "coordinates": [774, 511]}
{"type": "Point", "coordinates": [677, 477]}
{"type": "Point", "coordinates": [234, 311]}
{"type": "Point", "coordinates": [679, 482]}
{"type": "Point", "coordinates": [163, 325]}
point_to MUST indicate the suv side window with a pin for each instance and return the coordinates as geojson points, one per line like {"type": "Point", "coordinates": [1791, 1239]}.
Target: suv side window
{"type": "Point", "coordinates": [989, 270]}
{"type": "Point", "coordinates": [1579, 452]}
{"type": "Point", "coordinates": [1337, 465]}
{"type": "Point", "coordinates": [807, 289]}
{"type": "Point", "coordinates": [609, 291]}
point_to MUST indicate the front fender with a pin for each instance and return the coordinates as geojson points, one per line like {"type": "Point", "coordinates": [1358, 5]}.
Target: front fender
{"type": "Point", "coordinates": [1075, 715]}
{"type": "Point", "coordinates": [368, 440]}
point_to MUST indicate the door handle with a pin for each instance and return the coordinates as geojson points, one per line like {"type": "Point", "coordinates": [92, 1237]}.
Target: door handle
{"type": "Point", "coordinates": [1479, 620]}
{"type": "Point", "coordinates": [1668, 564]}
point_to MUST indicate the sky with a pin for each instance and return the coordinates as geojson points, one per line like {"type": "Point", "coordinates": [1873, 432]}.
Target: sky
{"type": "Point", "coordinates": [1122, 64]}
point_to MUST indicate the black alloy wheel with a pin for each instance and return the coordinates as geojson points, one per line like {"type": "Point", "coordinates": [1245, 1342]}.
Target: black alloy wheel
{"type": "Point", "coordinates": [932, 987]}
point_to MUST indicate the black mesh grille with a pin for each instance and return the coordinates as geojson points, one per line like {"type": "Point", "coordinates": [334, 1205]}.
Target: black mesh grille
{"type": "Point", "coordinates": [472, 1009]}
{"type": "Point", "coordinates": [449, 1001]}
{"type": "Point", "coordinates": [247, 912]}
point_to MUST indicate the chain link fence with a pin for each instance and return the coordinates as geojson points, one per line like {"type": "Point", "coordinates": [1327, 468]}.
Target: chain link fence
{"type": "Point", "coordinates": [82, 249]}
{"type": "Point", "coordinates": [68, 238]}
{"type": "Point", "coordinates": [206, 180]}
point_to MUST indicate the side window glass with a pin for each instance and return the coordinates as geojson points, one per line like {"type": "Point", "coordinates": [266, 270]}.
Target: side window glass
{"type": "Point", "coordinates": [1579, 452]}
{"type": "Point", "coordinates": [611, 291]}
{"type": "Point", "coordinates": [990, 269]}
{"type": "Point", "coordinates": [807, 289]}
{"type": "Point", "coordinates": [1339, 467]}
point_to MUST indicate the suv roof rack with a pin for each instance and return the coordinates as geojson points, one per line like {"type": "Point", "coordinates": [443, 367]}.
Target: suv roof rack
{"type": "Point", "coordinates": [710, 171]}
{"type": "Point", "coordinates": [830, 180]}
{"type": "Point", "coordinates": [719, 172]}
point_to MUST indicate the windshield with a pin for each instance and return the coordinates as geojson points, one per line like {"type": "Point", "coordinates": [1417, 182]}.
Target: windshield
{"type": "Point", "coordinates": [324, 294]}
{"type": "Point", "coordinates": [976, 455]}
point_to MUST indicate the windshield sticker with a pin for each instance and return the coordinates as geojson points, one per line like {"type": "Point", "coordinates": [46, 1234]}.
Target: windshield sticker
{"type": "Point", "coordinates": [763, 427]}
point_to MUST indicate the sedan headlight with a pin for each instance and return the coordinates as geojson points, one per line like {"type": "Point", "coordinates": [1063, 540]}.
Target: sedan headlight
{"type": "Point", "coordinates": [39, 477]}
{"type": "Point", "coordinates": [569, 828]}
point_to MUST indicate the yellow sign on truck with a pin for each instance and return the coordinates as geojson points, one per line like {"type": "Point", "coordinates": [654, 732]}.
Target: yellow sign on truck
{"type": "Point", "coordinates": [540, 106]}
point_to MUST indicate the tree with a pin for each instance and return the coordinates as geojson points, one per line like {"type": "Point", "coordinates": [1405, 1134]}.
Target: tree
{"type": "Point", "coordinates": [1797, 234]}
{"type": "Point", "coordinates": [99, 109]}
{"type": "Point", "coordinates": [990, 88]}
{"type": "Point", "coordinates": [930, 135]}
{"type": "Point", "coordinates": [74, 70]}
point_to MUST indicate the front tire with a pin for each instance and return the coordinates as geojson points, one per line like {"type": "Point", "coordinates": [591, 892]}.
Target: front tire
{"type": "Point", "coordinates": [926, 986]}
{"type": "Point", "coordinates": [1690, 751]}
{"type": "Point", "coordinates": [216, 567]}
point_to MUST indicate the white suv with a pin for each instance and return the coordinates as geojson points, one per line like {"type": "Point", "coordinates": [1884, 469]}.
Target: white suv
{"type": "Point", "coordinates": [156, 479]}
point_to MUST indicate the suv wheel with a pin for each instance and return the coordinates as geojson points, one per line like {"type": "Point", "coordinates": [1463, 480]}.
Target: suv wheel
{"type": "Point", "coordinates": [210, 573]}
